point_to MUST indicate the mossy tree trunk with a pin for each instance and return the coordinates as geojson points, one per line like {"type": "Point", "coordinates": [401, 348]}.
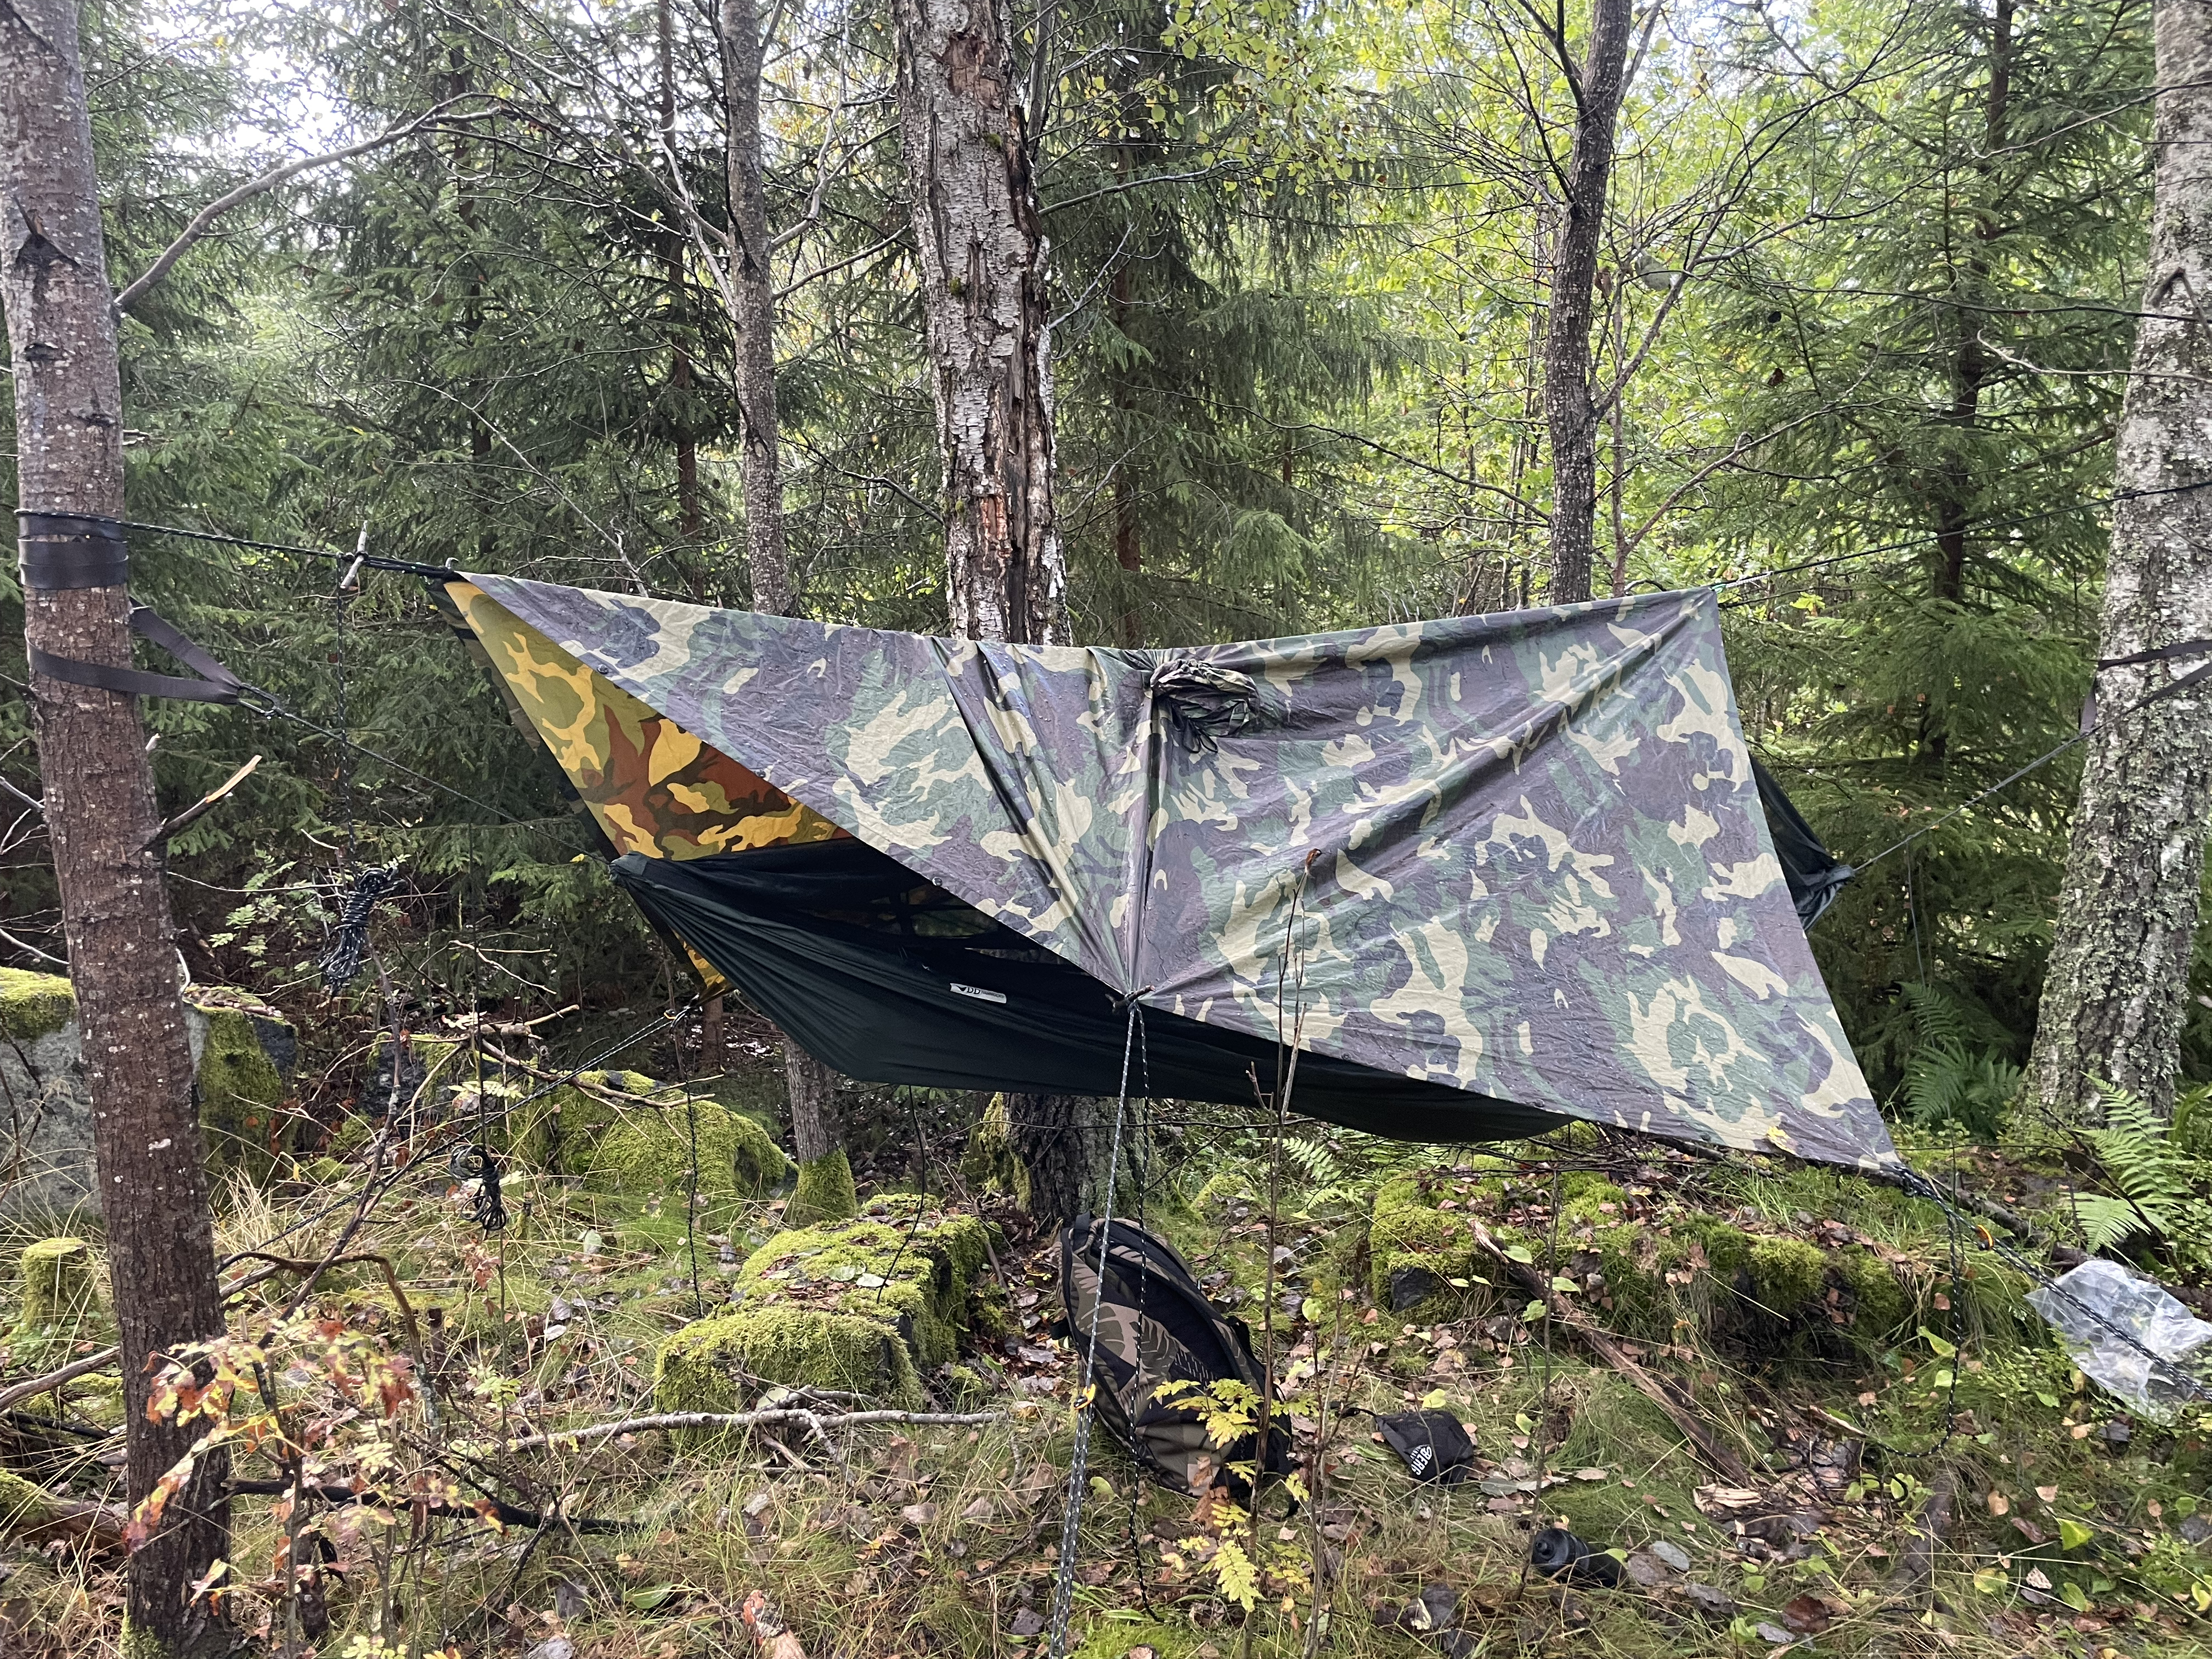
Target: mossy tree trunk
{"type": "Point", "coordinates": [2116, 993]}
{"type": "Point", "coordinates": [99, 806]}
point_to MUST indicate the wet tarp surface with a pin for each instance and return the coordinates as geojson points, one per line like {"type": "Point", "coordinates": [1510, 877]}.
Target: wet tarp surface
{"type": "Point", "coordinates": [1520, 856]}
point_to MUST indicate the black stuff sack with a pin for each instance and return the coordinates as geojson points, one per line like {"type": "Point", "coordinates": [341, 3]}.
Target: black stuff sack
{"type": "Point", "coordinates": [1156, 1327]}
{"type": "Point", "coordinates": [1435, 1445]}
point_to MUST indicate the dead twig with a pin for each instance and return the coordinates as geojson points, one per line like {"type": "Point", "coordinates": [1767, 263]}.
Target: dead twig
{"type": "Point", "coordinates": [33, 1387]}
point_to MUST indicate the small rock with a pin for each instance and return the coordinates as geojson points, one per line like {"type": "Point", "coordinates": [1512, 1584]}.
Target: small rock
{"type": "Point", "coordinates": [1712, 1602]}
{"type": "Point", "coordinates": [1026, 1623]}
{"type": "Point", "coordinates": [1672, 1554]}
{"type": "Point", "coordinates": [1773, 1635]}
{"type": "Point", "coordinates": [1647, 1570]}
{"type": "Point", "coordinates": [569, 1601]}
{"type": "Point", "coordinates": [918, 1514]}
{"type": "Point", "coordinates": [2197, 1528]}
{"type": "Point", "coordinates": [1459, 1645]}
{"type": "Point", "coordinates": [557, 1647]}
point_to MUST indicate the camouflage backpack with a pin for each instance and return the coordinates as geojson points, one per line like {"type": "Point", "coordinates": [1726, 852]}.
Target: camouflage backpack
{"type": "Point", "coordinates": [1156, 1326]}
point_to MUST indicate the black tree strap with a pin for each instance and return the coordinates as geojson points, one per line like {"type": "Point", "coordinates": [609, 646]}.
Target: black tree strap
{"type": "Point", "coordinates": [2184, 648]}
{"type": "Point", "coordinates": [64, 549]}
{"type": "Point", "coordinates": [213, 682]}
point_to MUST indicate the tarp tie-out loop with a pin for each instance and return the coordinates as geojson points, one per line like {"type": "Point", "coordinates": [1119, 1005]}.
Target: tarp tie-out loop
{"type": "Point", "coordinates": [1205, 703]}
{"type": "Point", "coordinates": [63, 550]}
{"type": "Point", "coordinates": [1063, 1589]}
{"type": "Point", "coordinates": [209, 682]}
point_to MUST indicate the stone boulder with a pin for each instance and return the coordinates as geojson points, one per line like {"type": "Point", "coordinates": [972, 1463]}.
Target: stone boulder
{"type": "Point", "coordinates": [242, 1056]}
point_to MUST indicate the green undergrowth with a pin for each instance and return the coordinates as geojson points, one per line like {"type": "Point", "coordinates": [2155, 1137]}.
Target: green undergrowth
{"type": "Point", "coordinates": [1815, 1325]}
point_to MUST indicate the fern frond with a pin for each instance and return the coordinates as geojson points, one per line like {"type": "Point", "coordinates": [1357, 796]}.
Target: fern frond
{"type": "Point", "coordinates": [2105, 1221]}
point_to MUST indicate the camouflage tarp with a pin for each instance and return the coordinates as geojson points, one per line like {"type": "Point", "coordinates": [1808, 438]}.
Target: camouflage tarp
{"type": "Point", "coordinates": [1525, 851]}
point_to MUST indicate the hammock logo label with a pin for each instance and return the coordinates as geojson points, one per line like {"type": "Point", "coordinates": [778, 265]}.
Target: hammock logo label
{"type": "Point", "coordinates": [978, 992]}
{"type": "Point", "coordinates": [1422, 1457]}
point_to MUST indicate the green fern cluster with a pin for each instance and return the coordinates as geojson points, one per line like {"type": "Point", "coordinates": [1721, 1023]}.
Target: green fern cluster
{"type": "Point", "coordinates": [2161, 1180]}
{"type": "Point", "coordinates": [1948, 1078]}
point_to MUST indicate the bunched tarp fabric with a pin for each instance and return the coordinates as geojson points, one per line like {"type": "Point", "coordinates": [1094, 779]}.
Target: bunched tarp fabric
{"type": "Point", "coordinates": [1520, 857]}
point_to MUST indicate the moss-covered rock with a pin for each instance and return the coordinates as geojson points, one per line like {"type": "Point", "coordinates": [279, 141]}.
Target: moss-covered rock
{"type": "Point", "coordinates": [34, 1005]}
{"type": "Point", "coordinates": [1787, 1275]}
{"type": "Point", "coordinates": [650, 1152]}
{"type": "Point", "coordinates": [241, 1097]}
{"type": "Point", "coordinates": [817, 1306]}
{"type": "Point", "coordinates": [59, 1287]}
{"type": "Point", "coordinates": [60, 1302]}
{"type": "Point", "coordinates": [700, 1366]}
{"type": "Point", "coordinates": [824, 1195]}
{"type": "Point", "coordinates": [1414, 1250]}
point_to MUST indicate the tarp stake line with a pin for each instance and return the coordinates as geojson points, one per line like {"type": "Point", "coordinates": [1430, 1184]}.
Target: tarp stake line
{"type": "Point", "coordinates": [1912, 1181]}
{"type": "Point", "coordinates": [2195, 677]}
{"type": "Point", "coordinates": [1063, 1589]}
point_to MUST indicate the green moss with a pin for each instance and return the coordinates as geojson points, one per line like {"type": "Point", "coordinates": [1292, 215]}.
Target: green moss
{"type": "Point", "coordinates": [1110, 1638]}
{"type": "Point", "coordinates": [242, 1096]}
{"type": "Point", "coordinates": [58, 1287]}
{"type": "Point", "coordinates": [1415, 1250]}
{"type": "Point", "coordinates": [924, 1275]}
{"type": "Point", "coordinates": [866, 1305]}
{"type": "Point", "coordinates": [698, 1366]}
{"type": "Point", "coordinates": [989, 1164]}
{"type": "Point", "coordinates": [32, 1004]}
{"type": "Point", "coordinates": [1879, 1308]}
{"type": "Point", "coordinates": [824, 1192]}
{"type": "Point", "coordinates": [61, 1302]}
{"type": "Point", "coordinates": [650, 1152]}
{"type": "Point", "coordinates": [23, 1505]}
{"type": "Point", "coordinates": [1584, 1192]}
{"type": "Point", "coordinates": [1786, 1274]}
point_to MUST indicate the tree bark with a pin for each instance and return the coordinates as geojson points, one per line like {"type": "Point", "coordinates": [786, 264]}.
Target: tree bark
{"type": "Point", "coordinates": [99, 800]}
{"type": "Point", "coordinates": [751, 288]}
{"type": "Point", "coordinates": [978, 239]}
{"type": "Point", "coordinates": [752, 294]}
{"type": "Point", "coordinates": [2114, 998]}
{"type": "Point", "coordinates": [1570, 403]}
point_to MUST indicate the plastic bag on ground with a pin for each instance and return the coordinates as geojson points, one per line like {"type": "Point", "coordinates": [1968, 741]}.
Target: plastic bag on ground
{"type": "Point", "coordinates": [2097, 1306]}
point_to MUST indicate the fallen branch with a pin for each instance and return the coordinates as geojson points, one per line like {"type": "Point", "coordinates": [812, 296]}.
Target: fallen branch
{"type": "Point", "coordinates": [814, 1422]}
{"type": "Point", "coordinates": [1723, 1462]}
{"type": "Point", "coordinates": [34, 1387]}
{"type": "Point", "coordinates": [34, 1512]}
{"type": "Point", "coordinates": [509, 1514]}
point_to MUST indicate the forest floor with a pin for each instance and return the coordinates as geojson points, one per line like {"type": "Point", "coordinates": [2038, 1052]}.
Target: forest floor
{"type": "Point", "coordinates": [1917, 1466]}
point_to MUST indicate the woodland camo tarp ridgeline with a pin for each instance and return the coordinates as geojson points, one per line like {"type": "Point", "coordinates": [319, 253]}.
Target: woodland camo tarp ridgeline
{"type": "Point", "coordinates": [1525, 851]}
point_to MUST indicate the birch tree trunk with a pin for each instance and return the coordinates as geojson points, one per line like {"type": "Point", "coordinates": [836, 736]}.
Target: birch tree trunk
{"type": "Point", "coordinates": [99, 804]}
{"type": "Point", "coordinates": [1570, 405]}
{"type": "Point", "coordinates": [812, 1085]}
{"type": "Point", "coordinates": [978, 239]}
{"type": "Point", "coordinates": [2114, 998]}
